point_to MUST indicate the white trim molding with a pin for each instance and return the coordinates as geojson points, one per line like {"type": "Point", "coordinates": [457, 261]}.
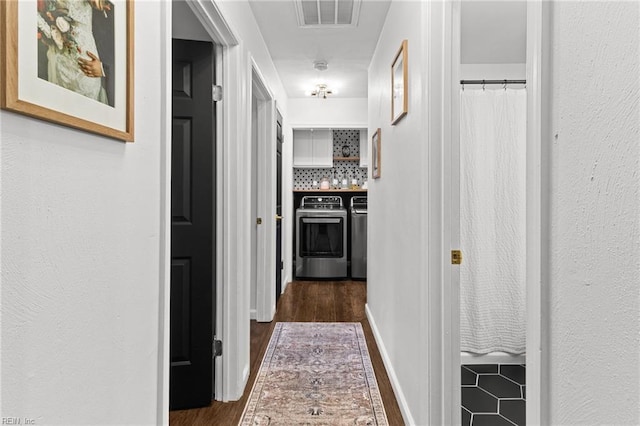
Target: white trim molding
{"type": "Point", "coordinates": [236, 217]}
{"type": "Point", "coordinates": [164, 308]}
{"type": "Point", "coordinates": [266, 161]}
{"type": "Point", "coordinates": [212, 20]}
{"type": "Point", "coordinates": [451, 212]}
{"type": "Point", "coordinates": [393, 378]}
{"type": "Point", "coordinates": [233, 239]}
{"type": "Point", "coordinates": [437, 318]}
{"type": "Point", "coordinates": [538, 125]}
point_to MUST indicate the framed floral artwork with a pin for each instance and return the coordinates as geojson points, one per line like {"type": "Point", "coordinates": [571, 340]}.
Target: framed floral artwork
{"type": "Point", "coordinates": [376, 154]}
{"type": "Point", "coordinates": [69, 62]}
{"type": "Point", "coordinates": [399, 86]}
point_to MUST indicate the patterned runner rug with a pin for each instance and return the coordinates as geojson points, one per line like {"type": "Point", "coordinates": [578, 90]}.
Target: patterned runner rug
{"type": "Point", "coordinates": [315, 374]}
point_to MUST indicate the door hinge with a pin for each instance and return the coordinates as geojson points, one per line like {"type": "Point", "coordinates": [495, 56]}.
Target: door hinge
{"type": "Point", "coordinates": [216, 93]}
{"type": "Point", "coordinates": [217, 347]}
{"type": "Point", "coordinates": [456, 257]}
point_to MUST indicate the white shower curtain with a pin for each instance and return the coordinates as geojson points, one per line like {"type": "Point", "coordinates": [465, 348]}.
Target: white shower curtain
{"type": "Point", "coordinates": [492, 220]}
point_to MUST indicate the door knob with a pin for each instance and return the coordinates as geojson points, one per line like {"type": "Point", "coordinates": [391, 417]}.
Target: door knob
{"type": "Point", "coordinates": [278, 217]}
{"type": "Point", "coordinates": [259, 221]}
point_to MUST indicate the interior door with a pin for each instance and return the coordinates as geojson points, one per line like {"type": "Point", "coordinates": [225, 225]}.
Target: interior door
{"type": "Point", "coordinates": [279, 264]}
{"type": "Point", "coordinates": [192, 225]}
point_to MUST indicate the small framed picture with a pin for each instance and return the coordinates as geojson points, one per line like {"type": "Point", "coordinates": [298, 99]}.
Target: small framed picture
{"type": "Point", "coordinates": [376, 154]}
{"type": "Point", "coordinates": [69, 62]}
{"type": "Point", "coordinates": [399, 79]}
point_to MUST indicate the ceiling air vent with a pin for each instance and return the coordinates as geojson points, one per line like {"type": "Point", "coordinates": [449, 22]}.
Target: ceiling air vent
{"type": "Point", "coordinates": [327, 13]}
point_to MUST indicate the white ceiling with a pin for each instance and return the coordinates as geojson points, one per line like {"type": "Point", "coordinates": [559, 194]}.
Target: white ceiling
{"type": "Point", "coordinates": [348, 51]}
{"type": "Point", "coordinates": [493, 32]}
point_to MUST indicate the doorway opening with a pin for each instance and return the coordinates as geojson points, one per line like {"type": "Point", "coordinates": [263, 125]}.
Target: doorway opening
{"type": "Point", "coordinates": [473, 376]}
{"type": "Point", "coordinates": [492, 214]}
{"type": "Point", "coordinates": [263, 197]}
{"type": "Point", "coordinates": [279, 262]}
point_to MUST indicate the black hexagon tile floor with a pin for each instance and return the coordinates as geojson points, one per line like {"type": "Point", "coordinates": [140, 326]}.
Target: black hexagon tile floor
{"type": "Point", "coordinates": [493, 394]}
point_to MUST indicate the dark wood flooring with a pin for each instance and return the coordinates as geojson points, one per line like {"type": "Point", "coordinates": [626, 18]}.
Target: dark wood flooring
{"type": "Point", "coordinates": [319, 301]}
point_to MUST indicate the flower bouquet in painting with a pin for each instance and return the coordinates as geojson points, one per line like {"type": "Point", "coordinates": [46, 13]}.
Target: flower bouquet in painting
{"type": "Point", "coordinates": [69, 56]}
{"type": "Point", "coordinates": [55, 26]}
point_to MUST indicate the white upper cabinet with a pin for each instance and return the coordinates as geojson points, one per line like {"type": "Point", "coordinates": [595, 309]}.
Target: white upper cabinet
{"type": "Point", "coordinates": [364, 148]}
{"type": "Point", "coordinates": [312, 148]}
{"type": "Point", "coordinates": [302, 148]}
{"type": "Point", "coordinates": [323, 147]}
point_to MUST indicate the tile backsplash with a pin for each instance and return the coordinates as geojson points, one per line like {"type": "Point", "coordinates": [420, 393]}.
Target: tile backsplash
{"type": "Point", "coordinates": [303, 178]}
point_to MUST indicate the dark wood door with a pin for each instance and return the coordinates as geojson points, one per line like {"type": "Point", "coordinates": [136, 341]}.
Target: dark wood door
{"type": "Point", "coordinates": [279, 264]}
{"type": "Point", "coordinates": [192, 225]}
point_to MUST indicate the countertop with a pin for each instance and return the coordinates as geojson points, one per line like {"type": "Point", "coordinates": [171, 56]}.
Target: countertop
{"type": "Point", "coordinates": [330, 190]}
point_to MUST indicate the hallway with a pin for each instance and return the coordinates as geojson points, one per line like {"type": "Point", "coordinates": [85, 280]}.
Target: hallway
{"type": "Point", "coordinates": [304, 301]}
{"type": "Point", "coordinates": [85, 220]}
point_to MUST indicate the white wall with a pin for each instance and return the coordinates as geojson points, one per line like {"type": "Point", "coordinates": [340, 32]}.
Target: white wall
{"type": "Point", "coordinates": [330, 112]}
{"type": "Point", "coordinates": [493, 72]}
{"type": "Point", "coordinates": [493, 32]}
{"type": "Point", "coordinates": [185, 24]}
{"type": "Point", "coordinates": [493, 40]}
{"type": "Point", "coordinates": [595, 214]}
{"type": "Point", "coordinates": [80, 260]}
{"type": "Point", "coordinates": [400, 287]}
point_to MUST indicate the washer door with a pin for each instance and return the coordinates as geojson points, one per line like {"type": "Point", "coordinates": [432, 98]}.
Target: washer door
{"type": "Point", "coordinates": [321, 237]}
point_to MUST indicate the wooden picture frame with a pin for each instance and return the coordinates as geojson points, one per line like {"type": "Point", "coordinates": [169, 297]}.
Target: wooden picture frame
{"type": "Point", "coordinates": [41, 47]}
{"type": "Point", "coordinates": [399, 86]}
{"type": "Point", "coordinates": [376, 154]}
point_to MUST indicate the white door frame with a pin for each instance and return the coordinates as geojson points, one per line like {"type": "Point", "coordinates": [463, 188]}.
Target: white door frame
{"type": "Point", "coordinates": [232, 209]}
{"type": "Point", "coordinates": [232, 243]}
{"type": "Point", "coordinates": [538, 223]}
{"type": "Point", "coordinates": [164, 313]}
{"type": "Point", "coordinates": [537, 220]}
{"type": "Point", "coordinates": [266, 232]}
{"type": "Point", "coordinates": [451, 212]}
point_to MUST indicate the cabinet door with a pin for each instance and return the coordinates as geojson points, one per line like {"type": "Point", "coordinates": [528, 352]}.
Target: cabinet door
{"type": "Point", "coordinates": [364, 148]}
{"type": "Point", "coordinates": [302, 148]}
{"type": "Point", "coordinates": [323, 147]}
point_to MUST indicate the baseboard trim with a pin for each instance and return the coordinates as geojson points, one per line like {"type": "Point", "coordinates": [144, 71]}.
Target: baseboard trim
{"type": "Point", "coordinates": [253, 314]}
{"type": "Point", "coordinates": [245, 378]}
{"type": "Point", "coordinates": [397, 389]}
{"type": "Point", "coordinates": [285, 283]}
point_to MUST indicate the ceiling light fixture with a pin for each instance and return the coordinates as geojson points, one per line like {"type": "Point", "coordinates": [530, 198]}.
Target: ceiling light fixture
{"type": "Point", "coordinates": [321, 91]}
